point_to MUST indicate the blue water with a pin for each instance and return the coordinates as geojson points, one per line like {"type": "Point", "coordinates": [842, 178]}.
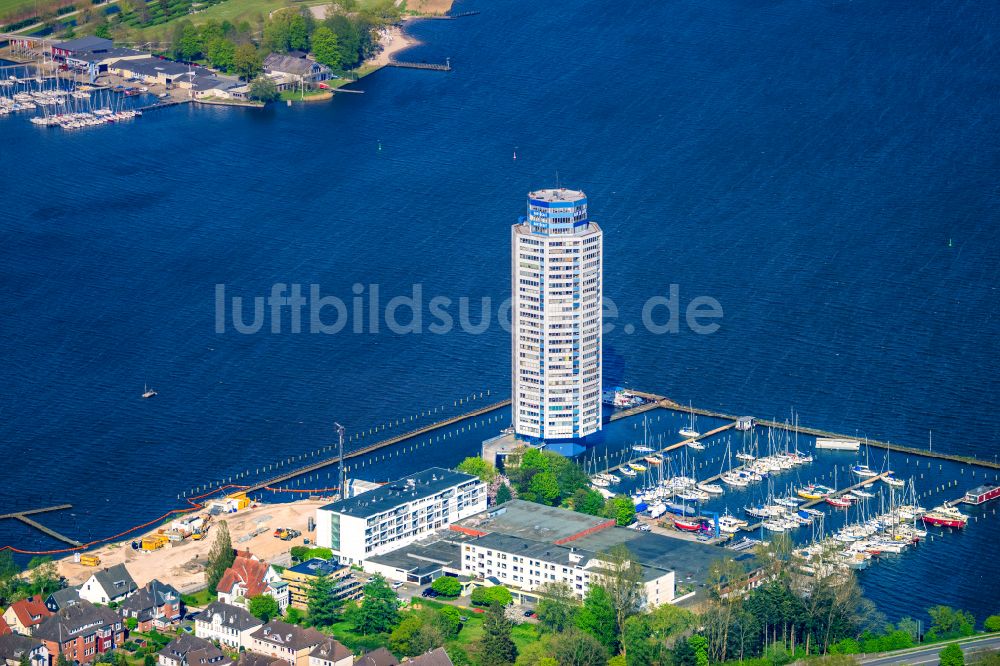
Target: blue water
{"type": "Point", "coordinates": [826, 170]}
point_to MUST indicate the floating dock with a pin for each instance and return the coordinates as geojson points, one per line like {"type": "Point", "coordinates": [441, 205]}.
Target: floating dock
{"type": "Point", "coordinates": [23, 517]}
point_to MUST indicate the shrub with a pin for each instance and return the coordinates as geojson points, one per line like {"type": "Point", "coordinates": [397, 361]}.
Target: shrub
{"type": "Point", "coordinates": [447, 586]}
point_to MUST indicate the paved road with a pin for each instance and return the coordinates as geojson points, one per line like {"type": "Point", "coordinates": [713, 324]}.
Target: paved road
{"type": "Point", "coordinates": [929, 656]}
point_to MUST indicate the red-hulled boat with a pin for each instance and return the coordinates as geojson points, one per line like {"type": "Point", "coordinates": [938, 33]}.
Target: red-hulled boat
{"type": "Point", "coordinates": [838, 502]}
{"type": "Point", "coordinates": [946, 516]}
{"type": "Point", "coordinates": [687, 525]}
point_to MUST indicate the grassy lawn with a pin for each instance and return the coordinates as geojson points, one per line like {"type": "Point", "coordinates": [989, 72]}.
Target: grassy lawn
{"type": "Point", "coordinates": [468, 638]}
{"type": "Point", "coordinates": [310, 95]}
{"type": "Point", "coordinates": [230, 10]}
{"type": "Point", "coordinates": [199, 598]}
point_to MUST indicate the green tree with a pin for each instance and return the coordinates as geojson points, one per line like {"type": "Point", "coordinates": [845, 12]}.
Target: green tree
{"type": "Point", "coordinates": [264, 607]}
{"type": "Point", "coordinates": [588, 501]}
{"type": "Point", "coordinates": [576, 648]}
{"type": "Point", "coordinates": [149, 660]}
{"type": "Point", "coordinates": [450, 621]}
{"type": "Point", "coordinates": [700, 646]}
{"type": "Point", "coordinates": [992, 623]}
{"type": "Point", "coordinates": [189, 46]}
{"type": "Point", "coordinates": [621, 578]}
{"type": "Point", "coordinates": [44, 578]}
{"type": "Point", "coordinates": [263, 89]}
{"type": "Point", "coordinates": [323, 606]}
{"type": "Point", "coordinates": [294, 615]}
{"type": "Point", "coordinates": [131, 623]}
{"type": "Point", "coordinates": [503, 493]}
{"type": "Point", "coordinates": [545, 487]}
{"type": "Point", "coordinates": [490, 596]}
{"type": "Point", "coordinates": [298, 553]}
{"type": "Point", "coordinates": [948, 622]}
{"type": "Point", "coordinates": [103, 30]}
{"type": "Point", "coordinates": [61, 660]}
{"type": "Point", "coordinates": [638, 642]}
{"type": "Point", "coordinates": [379, 611]}
{"type": "Point", "coordinates": [447, 586]}
{"type": "Point", "coordinates": [220, 557]}
{"type": "Point", "coordinates": [597, 617]}
{"type": "Point", "coordinates": [416, 634]}
{"type": "Point", "coordinates": [327, 52]}
{"type": "Point", "coordinates": [473, 465]}
{"type": "Point", "coordinates": [622, 509]}
{"type": "Point", "coordinates": [952, 656]}
{"type": "Point", "coordinates": [221, 52]}
{"type": "Point", "coordinates": [497, 646]}
{"type": "Point", "coordinates": [24, 661]}
{"type": "Point", "coordinates": [557, 606]}
{"type": "Point", "coordinates": [684, 654]}
{"type": "Point", "coordinates": [247, 61]}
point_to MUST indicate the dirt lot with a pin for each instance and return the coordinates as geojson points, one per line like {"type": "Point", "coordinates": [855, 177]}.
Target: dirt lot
{"type": "Point", "coordinates": [182, 564]}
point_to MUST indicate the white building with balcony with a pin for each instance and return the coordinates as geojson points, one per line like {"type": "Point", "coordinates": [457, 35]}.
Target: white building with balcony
{"type": "Point", "coordinates": [398, 513]}
{"type": "Point", "coordinates": [556, 270]}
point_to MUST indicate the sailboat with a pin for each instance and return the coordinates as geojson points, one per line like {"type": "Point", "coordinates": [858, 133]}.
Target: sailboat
{"type": "Point", "coordinates": [688, 430]}
{"type": "Point", "coordinates": [862, 469]}
{"type": "Point", "coordinates": [148, 392]}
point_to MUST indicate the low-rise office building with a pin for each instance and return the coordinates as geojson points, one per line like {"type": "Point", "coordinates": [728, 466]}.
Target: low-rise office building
{"type": "Point", "coordinates": [301, 576]}
{"type": "Point", "coordinates": [398, 513]}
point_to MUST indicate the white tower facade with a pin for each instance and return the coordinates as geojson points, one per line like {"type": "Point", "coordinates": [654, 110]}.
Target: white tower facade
{"type": "Point", "coordinates": [556, 270]}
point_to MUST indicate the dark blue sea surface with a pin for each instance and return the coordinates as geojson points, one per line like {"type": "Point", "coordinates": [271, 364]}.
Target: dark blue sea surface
{"type": "Point", "coordinates": [826, 170]}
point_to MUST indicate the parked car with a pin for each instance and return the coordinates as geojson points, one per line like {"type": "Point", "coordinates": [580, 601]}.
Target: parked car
{"type": "Point", "coordinates": [529, 613]}
{"type": "Point", "coordinates": [397, 585]}
{"type": "Point", "coordinates": [429, 592]}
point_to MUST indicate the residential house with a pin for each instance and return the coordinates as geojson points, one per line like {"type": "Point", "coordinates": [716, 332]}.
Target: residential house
{"type": "Point", "coordinates": [288, 642]}
{"type": "Point", "coordinates": [330, 653]}
{"type": "Point", "coordinates": [249, 577]}
{"type": "Point", "coordinates": [192, 651]}
{"type": "Point", "coordinates": [4, 627]}
{"type": "Point", "coordinates": [254, 659]}
{"type": "Point", "coordinates": [59, 599]}
{"type": "Point", "coordinates": [301, 576]}
{"type": "Point", "coordinates": [435, 657]}
{"type": "Point", "coordinates": [157, 605]}
{"type": "Point", "coordinates": [289, 71]}
{"type": "Point", "coordinates": [229, 625]}
{"type": "Point", "coordinates": [81, 632]}
{"type": "Point", "coordinates": [379, 657]}
{"type": "Point", "coordinates": [14, 646]}
{"type": "Point", "coordinates": [111, 584]}
{"type": "Point", "coordinates": [24, 615]}
{"type": "Point", "coordinates": [203, 87]}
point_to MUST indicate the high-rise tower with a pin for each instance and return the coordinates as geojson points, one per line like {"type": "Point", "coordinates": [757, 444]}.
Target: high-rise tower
{"type": "Point", "coordinates": [556, 271]}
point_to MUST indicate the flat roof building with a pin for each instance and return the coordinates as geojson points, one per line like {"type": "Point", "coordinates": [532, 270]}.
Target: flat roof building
{"type": "Point", "coordinates": [398, 513]}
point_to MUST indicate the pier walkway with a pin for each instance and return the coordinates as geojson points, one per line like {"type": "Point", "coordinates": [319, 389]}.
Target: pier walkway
{"type": "Point", "coordinates": [446, 67]}
{"type": "Point", "coordinates": [811, 503]}
{"type": "Point", "coordinates": [381, 444]}
{"type": "Point", "coordinates": [23, 517]}
{"type": "Point", "coordinates": [667, 403]}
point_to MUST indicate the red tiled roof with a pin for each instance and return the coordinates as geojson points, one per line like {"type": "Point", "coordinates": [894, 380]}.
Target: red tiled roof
{"type": "Point", "coordinates": [30, 611]}
{"type": "Point", "coordinates": [4, 627]}
{"type": "Point", "coordinates": [250, 573]}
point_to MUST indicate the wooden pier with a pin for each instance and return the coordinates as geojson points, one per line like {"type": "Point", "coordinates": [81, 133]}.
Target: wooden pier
{"type": "Point", "coordinates": [23, 517]}
{"type": "Point", "coordinates": [381, 444]}
{"type": "Point", "coordinates": [162, 105]}
{"type": "Point", "coordinates": [446, 67]}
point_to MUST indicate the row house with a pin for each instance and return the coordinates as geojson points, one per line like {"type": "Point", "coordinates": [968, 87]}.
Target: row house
{"type": "Point", "coordinates": [229, 625]}
{"type": "Point", "coordinates": [81, 632]}
{"type": "Point", "coordinates": [155, 606]}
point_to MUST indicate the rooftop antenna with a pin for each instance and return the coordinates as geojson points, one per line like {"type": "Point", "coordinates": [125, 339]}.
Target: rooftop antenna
{"type": "Point", "coordinates": [340, 456]}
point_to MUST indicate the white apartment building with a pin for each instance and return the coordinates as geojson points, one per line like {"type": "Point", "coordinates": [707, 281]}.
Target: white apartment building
{"type": "Point", "coordinates": [556, 283]}
{"type": "Point", "coordinates": [229, 625]}
{"type": "Point", "coordinates": [526, 565]}
{"type": "Point", "coordinates": [398, 513]}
